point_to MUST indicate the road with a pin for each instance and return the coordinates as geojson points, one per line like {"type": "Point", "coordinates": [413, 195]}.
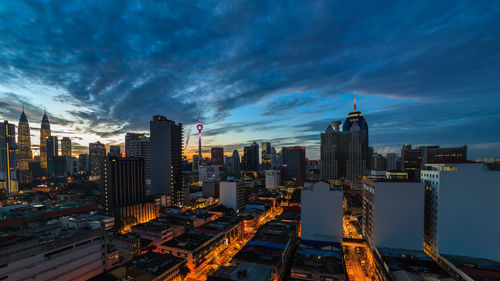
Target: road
{"type": "Point", "coordinates": [223, 255]}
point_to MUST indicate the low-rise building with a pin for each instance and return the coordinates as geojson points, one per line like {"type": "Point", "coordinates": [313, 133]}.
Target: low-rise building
{"type": "Point", "coordinates": [273, 245]}
{"type": "Point", "coordinates": [315, 260]}
{"type": "Point", "coordinates": [148, 267]}
{"type": "Point", "coordinates": [74, 248]}
{"type": "Point", "coordinates": [156, 231]}
{"type": "Point", "coordinates": [243, 272]}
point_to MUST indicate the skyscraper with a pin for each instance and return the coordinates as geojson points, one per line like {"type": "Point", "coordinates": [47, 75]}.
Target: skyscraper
{"type": "Point", "coordinates": [24, 143]}
{"type": "Point", "coordinates": [8, 153]}
{"type": "Point", "coordinates": [97, 154]}
{"type": "Point", "coordinates": [235, 166]}
{"type": "Point", "coordinates": [115, 151]}
{"type": "Point", "coordinates": [24, 148]}
{"type": "Point", "coordinates": [52, 145]}
{"type": "Point", "coordinates": [66, 147]}
{"type": "Point", "coordinates": [83, 162]}
{"type": "Point", "coordinates": [123, 183]}
{"type": "Point", "coordinates": [129, 145]}
{"type": "Point", "coordinates": [330, 140]}
{"type": "Point", "coordinates": [266, 155]}
{"type": "Point", "coordinates": [138, 145]}
{"type": "Point", "coordinates": [44, 134]}
{"type": "Point", "coordinates": [355, 146]}
{"type": "Point", "coordinates": [392, 161]}
{"type": "Point", "coordinates": [166, 158]}
{"type": "Point", "coordinates": [217, 158]}
{"type": "Point", "coordinates": [251, 157]}
{"type": "Point", "coordinates": [294, 165]}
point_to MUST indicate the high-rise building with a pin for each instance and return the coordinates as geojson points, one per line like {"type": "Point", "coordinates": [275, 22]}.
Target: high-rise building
{"type": "Point", "coordinates": [84, 162]}
{"type": "Point", "coordinates": [138, 145]}
{"type": "Point", "coordinates": [115, 151]}
{"type": "Point", "coordinates": [24, 156]}
{"type": "Point", "coordinates": [8, 156]}
{"type": "Point", "coordinates": [129, 145]}
{"type": "Point", "coordinates": [392, 161]}
{"type": "Point", "coordinates": [414, 159]}
{"type": "Point", "coordinates": [346, 152]}
{"type": "Point", "coordinates": [354, 148]}
{"type": "Point", "coordinates": [66, 147]}
{"type": "Point", "coordinates": [196, 162]}
{"type": "Point", "coordinates": [232, 194]}
{"type": "Point", "coordinates": [166, 158]}
{"type": "Point", "coordinates": [97, 154]}
{"type": "Point", "coordinates": [379, 162]}
{"type": "Point", "coordinates": [251, 157]}
{"type": "Point", "coordinates": [123, 183]}
{"type": "Point", "coordinates": [52, 145]}
{"type": "Point", "coordinates": [217, 157]}
{"type": "Point", "coordinates": [330, 140]}
{"type": "Point", "coordinates": [274, 160]}
{"type": "Point", "coordinates": [393, 213]}
{"type": "Point", "coordinates": [294, 165]}
{"type": "Point", "coordinates": [44, 134]}
{"type": "Point", "coordinates": [266, 155]}
{"type": "Point", "coordinates": [458, 199]}
{"type": "Point", "coordinates": [321, 212]}
{"type": "Point", "coordinates": [24, 143]}
{"type": "Point", "coordinates": [235, 166]}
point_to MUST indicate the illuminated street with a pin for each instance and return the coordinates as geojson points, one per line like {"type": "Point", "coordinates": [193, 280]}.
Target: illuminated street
{"type": "Point", "coordinates": [224, 254]}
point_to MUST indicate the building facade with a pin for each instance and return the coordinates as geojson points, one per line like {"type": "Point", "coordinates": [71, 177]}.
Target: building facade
{"type": "Point", "coordinates": [232, 194]}
{"type": "Point", "coordinates": [294, 166]}
{"type": "Point", "coordinates": [330, 140]}
{"type": "Point", "coordinates": [66, 147]}
{"type": "Point", "coordinates": [251, 157]}
{"type": "Point", "coordinates": [8, 157]}
{"type": "Point", "coordinates": [166, 158]}
{"type": "Point", "coordinates": [217, 157]}
{"type": "Point", "coordinates": [458, 197]}
{"type": "Point", "coordinates": [24, 156]}
{"type": "Point", "coordinates": [266, 155]}
{"type": "Point", "coordinates": [97, 154]}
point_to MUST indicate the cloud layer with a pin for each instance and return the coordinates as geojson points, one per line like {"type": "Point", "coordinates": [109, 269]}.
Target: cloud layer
{"type": "Point", "coordinates": [430, 69]}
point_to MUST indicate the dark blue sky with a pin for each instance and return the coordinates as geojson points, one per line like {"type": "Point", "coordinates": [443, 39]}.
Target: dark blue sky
{"type": "Point", "coordinates": [426, 72]}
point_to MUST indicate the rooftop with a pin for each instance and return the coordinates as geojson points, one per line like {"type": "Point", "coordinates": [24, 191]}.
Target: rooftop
{"type": "Point", "coordinates": [188, 241]}
{"type": "Point", "coordinates": [242, 271]}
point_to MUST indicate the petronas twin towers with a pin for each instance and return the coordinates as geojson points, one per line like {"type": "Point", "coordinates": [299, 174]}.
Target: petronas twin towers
{"type": "Point", "coordinates": [24, 154]}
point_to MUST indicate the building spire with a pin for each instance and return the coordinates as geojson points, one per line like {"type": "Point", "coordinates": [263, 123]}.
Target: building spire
{"type": "Point", "coordinates": [354, 102]}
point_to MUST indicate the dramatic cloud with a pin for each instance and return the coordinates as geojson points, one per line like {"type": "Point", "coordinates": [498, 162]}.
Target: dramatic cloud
{"type": "Point", "coordinates": [105, 68]}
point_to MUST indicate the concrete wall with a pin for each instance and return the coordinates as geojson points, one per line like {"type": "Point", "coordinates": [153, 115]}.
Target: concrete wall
{"type": "Point", "coordinates": [321, 212]}
{"type": "Point", "coordinates": [468, 210]}
{"type": "Point", "coordinates": [398, 215]}
{"type": "Point", "coordinates": [228, 194]}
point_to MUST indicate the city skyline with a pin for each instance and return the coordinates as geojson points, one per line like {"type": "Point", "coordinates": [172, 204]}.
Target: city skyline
{"type": "Point", "coordinates": [410, 78]}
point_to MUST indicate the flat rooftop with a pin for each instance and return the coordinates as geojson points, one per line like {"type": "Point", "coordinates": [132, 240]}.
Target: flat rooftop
{"type": "Point", "coordinates": [412, 265]}
{"type": "Point", "coordinates": [188, 241]}
{"type": "Point", "coordinates": [242, 271]}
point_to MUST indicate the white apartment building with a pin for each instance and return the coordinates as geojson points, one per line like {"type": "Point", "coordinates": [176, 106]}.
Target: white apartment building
{"type": "Point", "coordinates": [461, 210]}
{"type": "Point", "coordinates": [321, 212]}
{"type": "Point", "coordinates": [232, 194]}
{"type": "Point", "coordinates": [393, 213]}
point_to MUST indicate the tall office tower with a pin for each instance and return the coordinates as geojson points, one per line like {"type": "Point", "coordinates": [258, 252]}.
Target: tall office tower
{"type": "Point", "coordinates": [217, 158]}
{"type": "Point", "coordinates": [66, 147]}
{"type": "Point", "coordinates": [97, 154]}
{"type": "Point", "coordinates": [393, 213]}
{"type": "Point", "coordinates": [355, 146]}
{"type": "Point", "coordinates": [129, 143]}
{"type": "Point", "coordinates": [266, 155]}
{"type": "Point", "coordinates": [8, 155]}
{"type": "Point", "coordinates": [24, 143]}
{"type": "Point", "coordinates": [235, 162]}
{"type": "Point", "coordinates": [232, 194]}
{"type": "Point", "coordinates": [321, 212]}
{"type": "Point", "coordinates": [166, 158]}
{"type": "Point", "coordinates": [24, 156]}
{"type": "Point", "coordinates": [461, 208]}
{"type": "Point", "coordinates": [274, 160]}
{"type": "Point", "coordinates": [294, 165]}
{"type": "Point", "coordinates": [115, 151]}
{"type": "Point", "coordinates": [392, 161]}
{"type": "Point", "coordinates": [84, 162]}
{"type": "Point", "coordinates": [44, 134]}
{"type": "Point", "coordinates": [369, 158]}
{"type": "Point", "coordinates": [123, 183]}
{"type": "Point", "coordinates": [52, 145]}
{"type": "Point", "coordinates": [251, 157]}
{"type": "Point", "coordinates": [138, 145]}
{"type": "Point", "coordinates": [329, 146]}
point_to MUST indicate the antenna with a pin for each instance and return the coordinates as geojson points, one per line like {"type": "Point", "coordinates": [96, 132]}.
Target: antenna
{"type": "Point", "coordinates": [354, 102]}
